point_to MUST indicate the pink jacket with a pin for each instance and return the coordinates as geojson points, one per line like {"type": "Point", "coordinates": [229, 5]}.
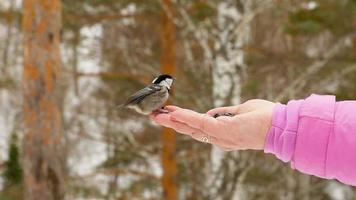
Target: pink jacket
{"type": "Point", "coordinates": [317, 135]}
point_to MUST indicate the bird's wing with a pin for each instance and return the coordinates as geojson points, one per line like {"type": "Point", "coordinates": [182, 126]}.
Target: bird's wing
{"type": "Point", "coordinates": [141, 94]}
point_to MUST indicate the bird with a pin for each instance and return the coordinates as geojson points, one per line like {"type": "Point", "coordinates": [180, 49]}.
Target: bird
{"type": "Point", "coordinates": [151, 98]}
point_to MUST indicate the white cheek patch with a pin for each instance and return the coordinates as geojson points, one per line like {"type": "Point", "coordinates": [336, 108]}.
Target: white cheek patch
{"type": "Point", "coordinates": [167, 83]}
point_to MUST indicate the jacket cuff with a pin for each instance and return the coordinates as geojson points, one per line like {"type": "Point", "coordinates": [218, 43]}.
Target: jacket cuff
{"type": "Point", "coordinates": [281, 137]}
{"type": "Point", "coordinates": [316, 124]}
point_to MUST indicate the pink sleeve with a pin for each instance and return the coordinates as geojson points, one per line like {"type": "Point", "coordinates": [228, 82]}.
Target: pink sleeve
{"type": "Point", "coordinates": [317, 135]}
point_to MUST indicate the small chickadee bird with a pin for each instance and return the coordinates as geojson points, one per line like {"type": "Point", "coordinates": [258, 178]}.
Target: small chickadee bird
{"type": "Point", "coordinates": [151, 98]}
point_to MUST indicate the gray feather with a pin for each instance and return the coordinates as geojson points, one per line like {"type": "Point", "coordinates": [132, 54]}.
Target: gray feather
{"type": "Point", "coordinates": [141, 94]}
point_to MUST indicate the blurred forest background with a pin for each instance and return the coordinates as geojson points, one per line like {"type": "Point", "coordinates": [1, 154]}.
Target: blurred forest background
{"type": "Point", "coordinates": [66, 64]}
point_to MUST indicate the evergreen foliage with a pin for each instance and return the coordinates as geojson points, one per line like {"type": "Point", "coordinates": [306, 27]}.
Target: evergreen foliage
{"type": "Point", "coordinates": [13, 171]}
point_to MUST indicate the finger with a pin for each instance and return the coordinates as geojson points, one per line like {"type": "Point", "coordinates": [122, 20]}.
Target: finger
{"type": "Point", "coordinates": [229, 109]}
{"type": "Point", "coordinates": [159, 117]}
{"type": "Point", "coordinates": [172, 108]}
{"type": "Point", "coordinates": [153, 115]}
{"type": "Point", "coordinates": [196, 120]}
{"type": "Point", "coordinates": [165, 120]}
{"type": "Point", "coordinates": [227, 119]}
{"type": "Point", "coordinates": [205, 138]}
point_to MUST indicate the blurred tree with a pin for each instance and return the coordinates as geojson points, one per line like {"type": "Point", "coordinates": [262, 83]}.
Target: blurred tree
{"type": "Point", "coordinates": [168, 137]}
{"type": "Point", "coordinates": [13, 172]}
{"type": "Point", "coordinates": [13, 189]}
{"type": "Point", "coordinates": [43, 161]}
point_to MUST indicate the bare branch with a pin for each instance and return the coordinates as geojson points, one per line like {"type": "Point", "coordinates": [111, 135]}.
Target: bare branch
{"type": "Point", "coordinates": [199, 34]}
{"type": "Point", "coordinates": [117, 75]}
{"type": "Point", "coordinates": [113, 171]}
{"type": "Point", "coordinates": [249, 16]}
{"type": "Point", "coordinates": [297, 84]}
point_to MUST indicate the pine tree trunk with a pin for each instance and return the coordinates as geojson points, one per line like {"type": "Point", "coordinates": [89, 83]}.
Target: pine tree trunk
{"type": "Point", "coordinates": [43, 161]}
{"type": "Point", "coordinates": [168, 137]}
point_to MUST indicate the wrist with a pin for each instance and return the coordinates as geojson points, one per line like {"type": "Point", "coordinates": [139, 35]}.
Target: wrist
{"type": "Point", "coordinates": [267, 124]}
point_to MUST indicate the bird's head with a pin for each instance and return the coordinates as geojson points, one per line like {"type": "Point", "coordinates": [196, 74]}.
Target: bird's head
{"type": "Point", "coordinates": [165, 80]}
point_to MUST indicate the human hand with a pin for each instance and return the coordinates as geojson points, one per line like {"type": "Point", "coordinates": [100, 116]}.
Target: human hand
{"type": "Point", "coordinates": [246, 130]}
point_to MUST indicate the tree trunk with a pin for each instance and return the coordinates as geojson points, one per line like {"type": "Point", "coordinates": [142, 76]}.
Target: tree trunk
{"type": "Point", "coordinates": [43, 160]}
{"type": "Point", "coordinates": [168, 137]}
{"type": "Point", "coordinates": [229, 65]}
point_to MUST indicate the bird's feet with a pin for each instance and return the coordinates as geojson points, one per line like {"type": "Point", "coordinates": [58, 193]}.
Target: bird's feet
{"type": "Point", "coordinates": [160, 111]}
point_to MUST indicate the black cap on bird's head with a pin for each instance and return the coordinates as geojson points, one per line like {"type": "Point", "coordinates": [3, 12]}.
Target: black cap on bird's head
{"type": "Point", "coordinates": [164, 79]}
{"type": "Point", "coordinates": [161, 78]}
